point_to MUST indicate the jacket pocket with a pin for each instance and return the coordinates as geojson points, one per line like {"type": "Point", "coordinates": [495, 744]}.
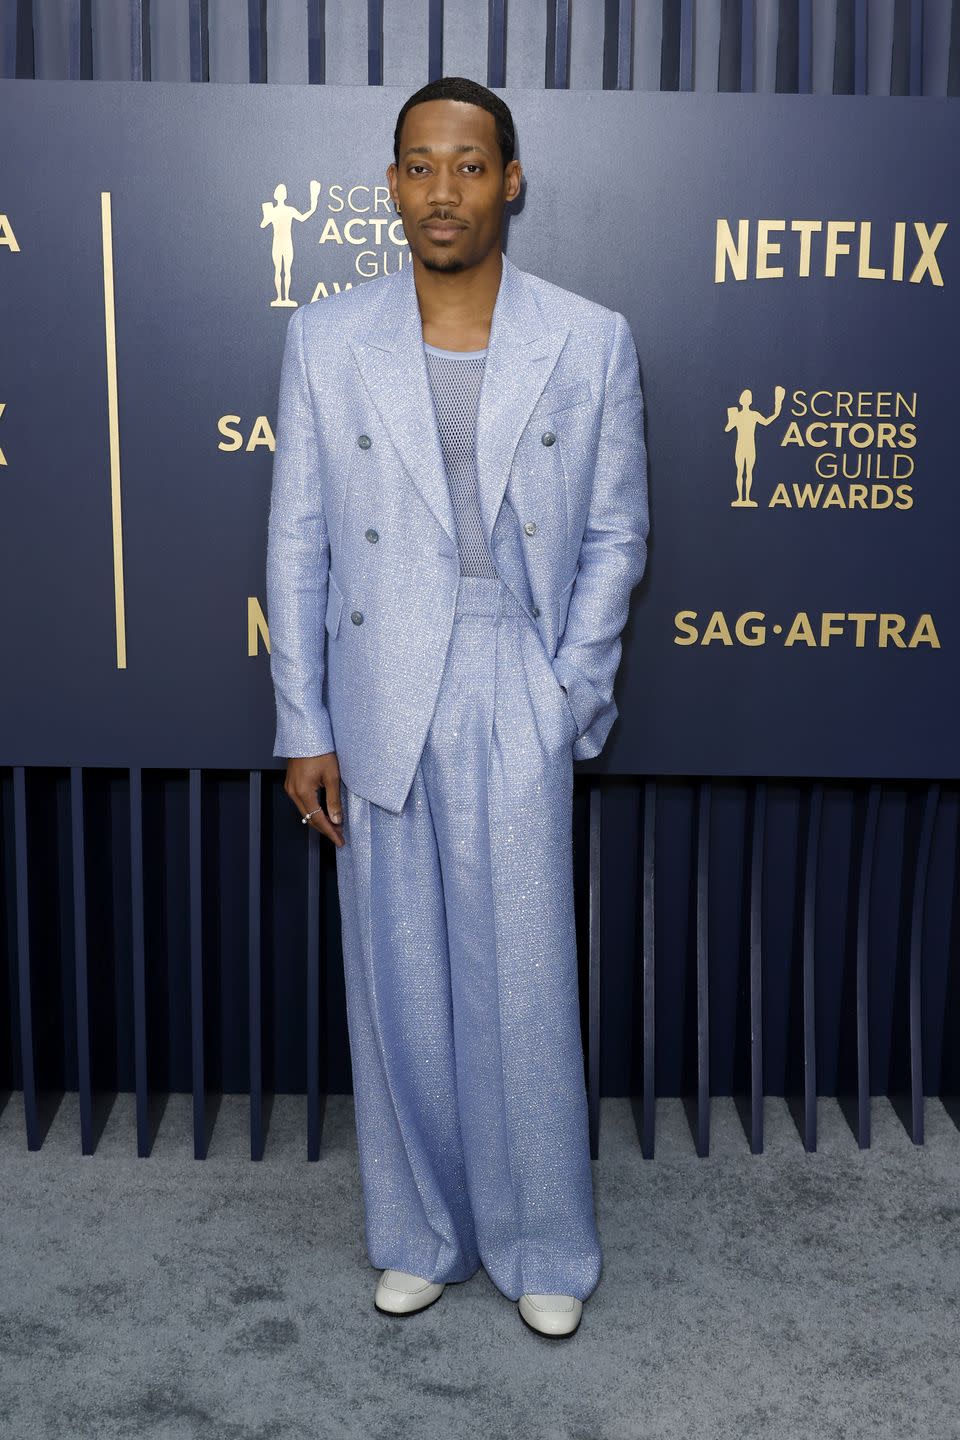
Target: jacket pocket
{"type": "Point", "coordinates": [334, 606]}
{"type": "Point", "coordinates": [555, 687]}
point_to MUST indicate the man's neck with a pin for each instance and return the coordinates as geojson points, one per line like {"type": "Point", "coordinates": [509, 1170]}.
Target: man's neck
{"type": "Point", "coordinates": [456, 307]}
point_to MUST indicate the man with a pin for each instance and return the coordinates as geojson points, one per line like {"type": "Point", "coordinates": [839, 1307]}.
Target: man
{"type": "Point", "coordinates": [458, 517]}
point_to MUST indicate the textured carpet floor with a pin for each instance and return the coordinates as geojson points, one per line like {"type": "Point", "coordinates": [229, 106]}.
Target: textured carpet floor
{"type": "Point", "coordinates": [783, 1295]}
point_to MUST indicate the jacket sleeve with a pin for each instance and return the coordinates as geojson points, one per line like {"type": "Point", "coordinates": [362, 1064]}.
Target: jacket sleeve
{"type": "Point", "coordinates": [613, 552]}
{"type": "Point", "coordinates": [298, 563]}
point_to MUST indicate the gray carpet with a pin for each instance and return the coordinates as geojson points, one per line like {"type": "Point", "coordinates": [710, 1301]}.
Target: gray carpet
{"type": "Point", "coordinates": [782, 1295]}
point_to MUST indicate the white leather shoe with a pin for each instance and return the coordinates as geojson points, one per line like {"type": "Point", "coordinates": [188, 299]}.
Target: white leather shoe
{"type": "Point", "coordinates": [399, 1293]}
{"type": "Point", "coordinates": [552, 1315]}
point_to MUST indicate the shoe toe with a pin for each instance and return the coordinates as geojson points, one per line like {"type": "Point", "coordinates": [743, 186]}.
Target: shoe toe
{"type": "Point", "coordinates": [551, 1314]}
{"type": "Point", "coordinates": [401, 1293]}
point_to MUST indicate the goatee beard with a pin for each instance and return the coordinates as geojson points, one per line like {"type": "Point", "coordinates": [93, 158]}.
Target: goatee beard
{"type": "Point", "coordinates": [454, 263]}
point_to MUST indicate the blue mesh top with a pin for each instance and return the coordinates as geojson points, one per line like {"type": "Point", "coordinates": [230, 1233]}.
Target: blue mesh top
{"type": "Point", "coordinates": [455, 378]}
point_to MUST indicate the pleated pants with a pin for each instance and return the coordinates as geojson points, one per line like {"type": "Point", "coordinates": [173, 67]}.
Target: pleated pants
{"type": "Point", "coordinates": [461, 983]}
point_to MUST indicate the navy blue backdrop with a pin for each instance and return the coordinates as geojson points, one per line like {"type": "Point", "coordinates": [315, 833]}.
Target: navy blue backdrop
{"type": "Point", "coordinates": [767, 892]}
{"type": "Point", "coordinates": [788, 265]}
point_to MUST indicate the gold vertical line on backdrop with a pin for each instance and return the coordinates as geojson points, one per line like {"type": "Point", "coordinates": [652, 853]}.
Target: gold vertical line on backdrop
{"type": "Point", "coordinates": [110, 337]}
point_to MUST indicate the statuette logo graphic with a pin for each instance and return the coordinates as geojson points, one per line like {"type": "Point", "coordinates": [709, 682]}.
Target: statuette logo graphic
{"type": "Point", "coordinates": [745, 421]}
{"type": "Point", "coordinates": [281, 216]}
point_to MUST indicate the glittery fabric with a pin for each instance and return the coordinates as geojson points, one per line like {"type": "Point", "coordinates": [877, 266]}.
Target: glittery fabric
{"type": "Point", "coordinates": [461, 979]}
{"type": "Point", "coordinates": [455, 379]}
{"type": "Point", "coordinates": [362, 539]}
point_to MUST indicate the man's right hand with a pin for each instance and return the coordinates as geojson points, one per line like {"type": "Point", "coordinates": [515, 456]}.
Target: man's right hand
{"type": "Point", "coordinates": [306, 775]}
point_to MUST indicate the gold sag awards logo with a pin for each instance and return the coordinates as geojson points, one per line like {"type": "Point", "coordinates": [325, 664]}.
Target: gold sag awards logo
{"type": "Point", "coordinates": [857, 444]}
{"type": "Point", "coordinates": [374, 236]}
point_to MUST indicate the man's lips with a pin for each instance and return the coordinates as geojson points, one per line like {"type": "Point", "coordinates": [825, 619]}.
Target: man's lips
{"type": "Point", "coordinates": [442, 228]}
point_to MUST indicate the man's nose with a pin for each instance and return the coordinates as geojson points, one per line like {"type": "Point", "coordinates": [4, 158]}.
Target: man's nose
{"type": "Point", "coordinates": [443, 192]}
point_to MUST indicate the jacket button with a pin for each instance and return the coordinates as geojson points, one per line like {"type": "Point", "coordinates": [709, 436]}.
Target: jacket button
{"type": "Point", "coordinates": [548, 437]}
{"type": "Point", "coordinates": [530, 528]}
{"type": "Point", "coordinates": [372, 536]}
{"type": "Point", "coordinates": [364, 442]}
{"type": "Point", "coordinates": [536, 609]}
{"type": "Point", "coordinates": [357, 617]}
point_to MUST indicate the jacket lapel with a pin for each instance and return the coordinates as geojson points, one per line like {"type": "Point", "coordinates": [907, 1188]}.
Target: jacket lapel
{"type": "Point", "coordinates": [521, 354]}
{"type": "Point", "coordinates": [392, 362]}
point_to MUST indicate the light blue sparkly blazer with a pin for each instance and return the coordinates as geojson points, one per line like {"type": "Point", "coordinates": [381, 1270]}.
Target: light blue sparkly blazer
{"type": "Point", "coordinates": [362, 558]}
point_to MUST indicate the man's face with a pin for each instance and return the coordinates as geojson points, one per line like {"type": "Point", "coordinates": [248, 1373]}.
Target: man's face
{"type": "Point", "coordinates": [450, 185]}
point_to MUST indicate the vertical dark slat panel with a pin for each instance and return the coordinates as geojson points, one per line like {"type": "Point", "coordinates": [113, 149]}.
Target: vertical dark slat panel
{"type": "Point", "coordinates": [196, 966]}
{"type": "Point", "coordinates": [618, 45]}
{"type": "Point", "coordinates": [79, 868]}
{"type": "Point", "coordinates": [594, 960]}
{"type": "Point", "coordinates": [316, 42]}
{"type": "Point", "coordinates": [257, 40]}
{"type": "Point", "coordinates": [649, 970]}
{"type": "Point", "coordinates": [900, 49]}
{"type": "Point", "coordinates": [56, 993]}
{"type": "Point", "coordinates": [497, 43]}
{"type": "Point", "coordinates": [805, 47]}
{"type": "Point", "coordinates": [79, 40]}
{"type": "Point", "coordinates": [199, 41]}
{"type": "Point", "coordinates": [843, 49]}
{"type": "Point", "coordinates": [139, 39]}
{"type": "Point", "coordinates": [860, 47]}
{"type": "Point", "coordinates": [704, 790]}
{"type": "Point", "coordinates": [644, 1103]}
{"type": "Point", "coordinates": [10, 1080]}
{"type": "Point", "coordinates": [254, 964]}
{"type": "Point", "coordinates": [139, 958]}
{"type": "Point", "coordinates": [374, 42]}
{"type": "Point", "coordinates": [313, 994]}
{"type": "Point", "coordinates": [916, 47]}
{"type": "Point", "coordinates": [864, 885]}
{"type": "Point", "coordinates": [748, 48]}
{"type": "Point", "coordinates": [729, 50]}
{"type": "Point", "coordinates": [686, 44]}
{"type": "Point", "coordinates": [24, 57]}
{"type": "Point", "coordinates": [21, 867]}
{"type": "Point", "coordinates": [757, 853]}
{"type": "Point", "coordinates": [435, 40]}
{"type": "Point", "coordinates": [811, 860]}
{"type": "Point", "coordinates": [26, 52]}
{"type": "Point", "coordinates": [786, 64]}
{"type": "Point", "coordinates": [669, 45]}
{"type": "Point", "coordinates": [557, 69]}
{"type": "Point", "coordinates": [931, 801]}
{"type": "Point", "coordinates": [10, 28]}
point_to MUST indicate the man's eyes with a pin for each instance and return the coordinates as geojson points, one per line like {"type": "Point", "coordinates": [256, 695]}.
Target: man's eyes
{"type": "Point", "coordinates": [470, 164]}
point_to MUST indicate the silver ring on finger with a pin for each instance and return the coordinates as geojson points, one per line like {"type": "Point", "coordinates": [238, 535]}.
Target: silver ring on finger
{"type": "Point", "coordinates": [306, 818]}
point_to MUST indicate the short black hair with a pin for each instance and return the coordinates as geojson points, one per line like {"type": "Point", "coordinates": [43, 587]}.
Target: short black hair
{"type": "Point", "coordinates": [457, 87]}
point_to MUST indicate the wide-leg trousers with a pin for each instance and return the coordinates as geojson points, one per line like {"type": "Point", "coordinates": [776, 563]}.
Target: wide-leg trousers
{"type": "Point", "coordinates": [461, 983]}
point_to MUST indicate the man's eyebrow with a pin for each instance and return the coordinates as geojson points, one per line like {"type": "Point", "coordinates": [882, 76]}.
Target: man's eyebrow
{"type": "Point", "coordinates": [428, 149]}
